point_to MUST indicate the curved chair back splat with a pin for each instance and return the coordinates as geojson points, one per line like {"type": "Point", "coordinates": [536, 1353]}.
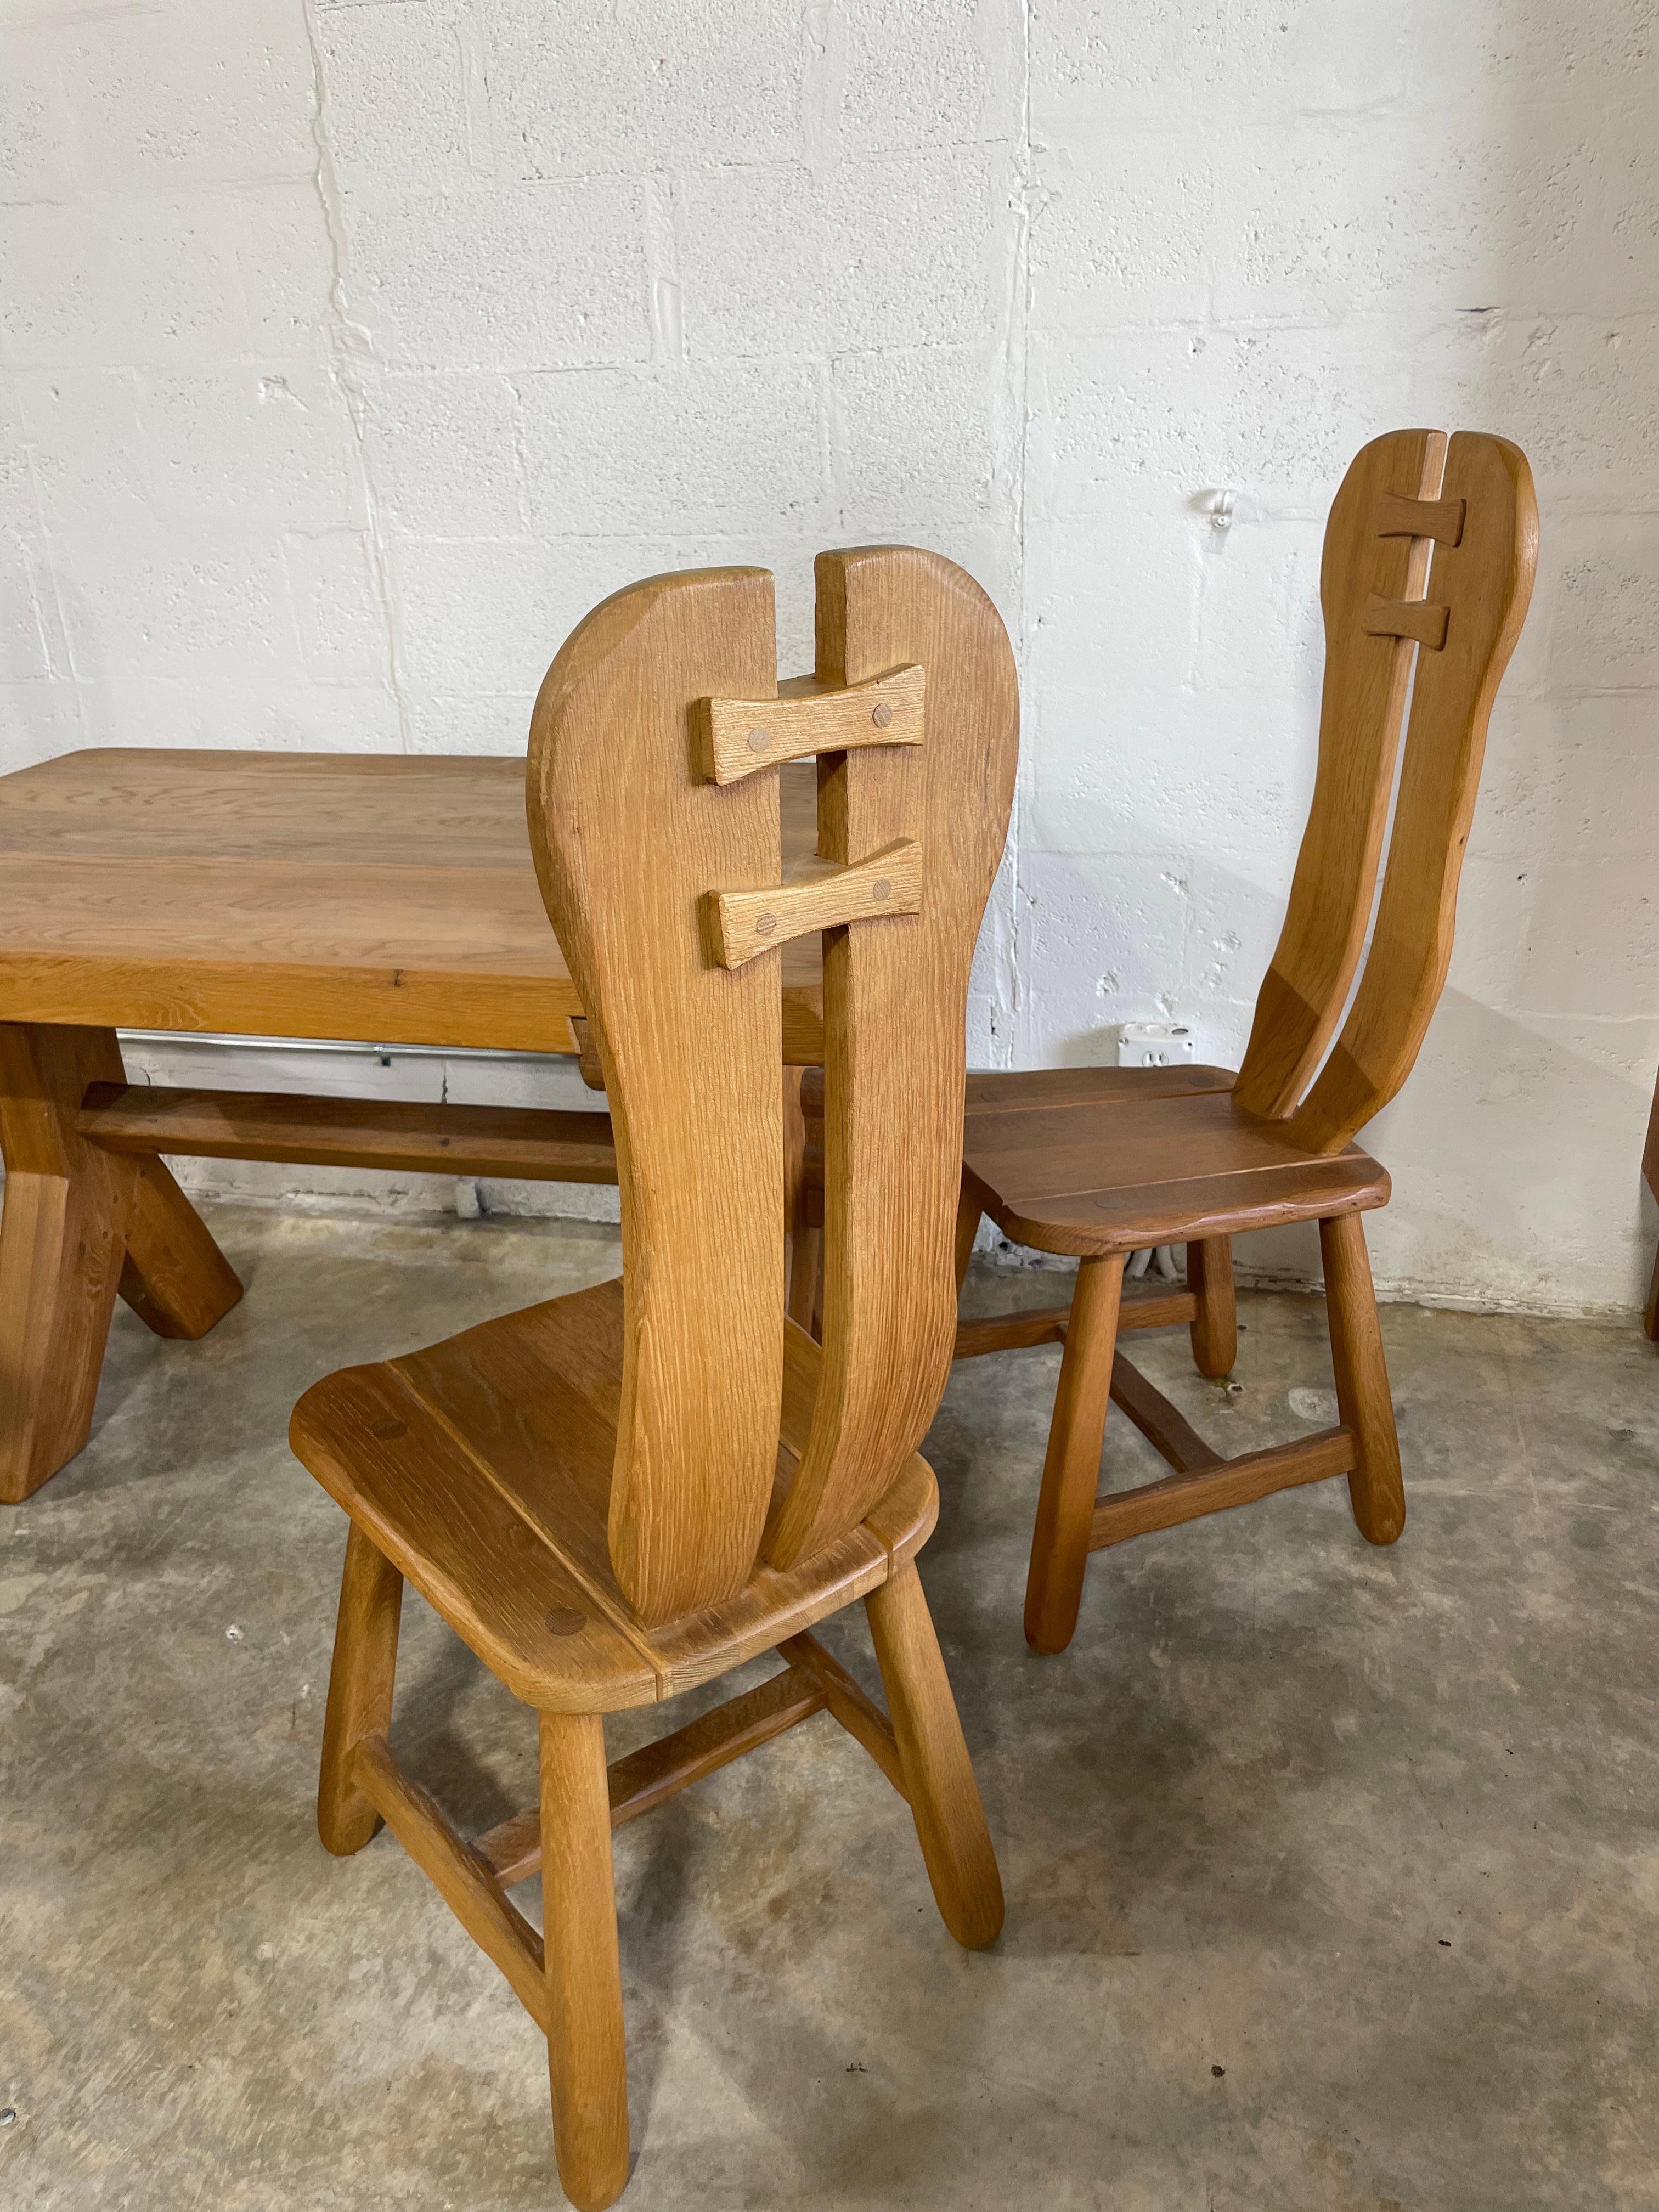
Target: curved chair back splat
{"type": "Point", "coordinates": [1428, 567]}
{"type": "Point", "coordinates": [654, 815]}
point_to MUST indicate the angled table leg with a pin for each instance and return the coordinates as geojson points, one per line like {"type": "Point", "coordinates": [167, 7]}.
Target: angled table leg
{"type": "Point", "coordinates": [175, 1277]}
{"type": "Point", "coordinates": [68, 1212]}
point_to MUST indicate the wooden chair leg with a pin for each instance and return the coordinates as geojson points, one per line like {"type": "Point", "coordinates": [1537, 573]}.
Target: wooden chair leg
{"type": "Point", "coordinates": [1215, 1325]}
{"type": "Point", "coordinates": [1375, 1487]}
{"type": "Point", "coordinates": [175, 1277]}
{"type": "Point", "coordinates": [587, 2065]}
{"type": "Point", "coordinates": [938, 1775]}
{"type": "Point", "coordinates": [1071, 1472]}
{"type": "Point", "coordinates": [62, 1233]}
{"type": "Point", "coordinates": [1650, 1318]}
{"type": "Point", "coordinates": [359, 1689]}
{"type": "Point", "coordinates": [967, 1214]}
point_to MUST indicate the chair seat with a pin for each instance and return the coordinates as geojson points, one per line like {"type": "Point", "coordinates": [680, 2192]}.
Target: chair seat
{"type": "Point", "coordinates": [481, 1467]}
{"type": "Point", "coordinates": [1091, 1161]}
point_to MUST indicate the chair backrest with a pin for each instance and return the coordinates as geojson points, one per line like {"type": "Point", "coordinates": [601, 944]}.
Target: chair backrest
{"type": "Point", "coordinates": [1430, 552]}
{"type": "Point", "coordinates": [654, 814]}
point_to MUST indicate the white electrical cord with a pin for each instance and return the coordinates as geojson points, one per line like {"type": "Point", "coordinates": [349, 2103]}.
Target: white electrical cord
{"type": "Point", "coordinates": [1165, 1255]}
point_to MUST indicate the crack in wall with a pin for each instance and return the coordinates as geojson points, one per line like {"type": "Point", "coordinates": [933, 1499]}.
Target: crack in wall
{"type": "Point", "coordinates": [349, 345]}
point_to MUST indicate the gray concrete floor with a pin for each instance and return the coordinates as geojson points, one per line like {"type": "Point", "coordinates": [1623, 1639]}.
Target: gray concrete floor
{"type": "Point", "coordinates": [1332, 1874]}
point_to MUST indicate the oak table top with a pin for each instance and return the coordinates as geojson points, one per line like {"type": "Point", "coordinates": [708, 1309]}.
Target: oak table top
{"type": "Point", "coordinates": [384, 896]}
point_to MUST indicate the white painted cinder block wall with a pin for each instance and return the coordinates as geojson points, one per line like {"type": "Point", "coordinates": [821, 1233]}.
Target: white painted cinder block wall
{"type": "Point", "coordinates": [351, 351]}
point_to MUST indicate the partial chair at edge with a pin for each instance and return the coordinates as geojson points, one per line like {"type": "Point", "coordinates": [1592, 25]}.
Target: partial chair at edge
{"type": "Point", "coordinates": [617, 1495]}
{"type": "Point", "coordinates": [1429, 557]}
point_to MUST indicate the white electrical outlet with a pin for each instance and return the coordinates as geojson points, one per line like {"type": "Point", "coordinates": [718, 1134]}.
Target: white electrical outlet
{"type": "Point", "coordinates": [1154, 1044]}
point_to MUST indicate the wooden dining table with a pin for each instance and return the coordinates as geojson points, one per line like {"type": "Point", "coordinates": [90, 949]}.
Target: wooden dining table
{"type": "Point", "coordinates": [378, 898]}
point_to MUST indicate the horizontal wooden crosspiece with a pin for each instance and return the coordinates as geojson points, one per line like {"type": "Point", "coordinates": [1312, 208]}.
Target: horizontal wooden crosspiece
{"type": "Point", "coordinates": [742, 924]}
{"type": "Point", "coordinates": [1439, 519]}
{"type": "Point", "coordinates": [1419, 618]}
{"type": "Point", "coordinates": [735, 737]}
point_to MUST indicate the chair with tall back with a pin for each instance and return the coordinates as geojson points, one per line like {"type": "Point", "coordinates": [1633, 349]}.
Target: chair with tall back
{"type": "Point", "coordinates": [1098, 1162]}
{"type": "Point", "coordinates": [619, 1495]}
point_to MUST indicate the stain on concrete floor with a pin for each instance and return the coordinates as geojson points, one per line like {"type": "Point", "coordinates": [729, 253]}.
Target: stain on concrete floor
{"type": "Point", "coordinates": [1332, 1874]}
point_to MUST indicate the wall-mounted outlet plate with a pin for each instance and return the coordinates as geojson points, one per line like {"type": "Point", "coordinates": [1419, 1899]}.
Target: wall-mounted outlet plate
{"type": "Point", "coordinates": [1155, 1044]}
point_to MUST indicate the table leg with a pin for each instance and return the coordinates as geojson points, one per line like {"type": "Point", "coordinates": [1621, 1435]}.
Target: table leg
{"type": "Point", "coordinates": [175, 1277]}
{"type": "Point", "coordinates": [67, 1212]}
{"type": "Point", "coordinates": [803, 1193]}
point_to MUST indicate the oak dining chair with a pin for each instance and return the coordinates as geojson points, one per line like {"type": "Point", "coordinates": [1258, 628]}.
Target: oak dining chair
{"type": "Point", "coordinates": [619, 1495]}
{"type": "Point", "coordinates": [1429, 557]}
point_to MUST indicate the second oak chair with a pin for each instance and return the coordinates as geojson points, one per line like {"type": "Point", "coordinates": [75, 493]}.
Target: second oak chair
{"type": "Point", "coordinates": [1096, 1163]}
{"type": "Point", "coordinates": [618, 1495]}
